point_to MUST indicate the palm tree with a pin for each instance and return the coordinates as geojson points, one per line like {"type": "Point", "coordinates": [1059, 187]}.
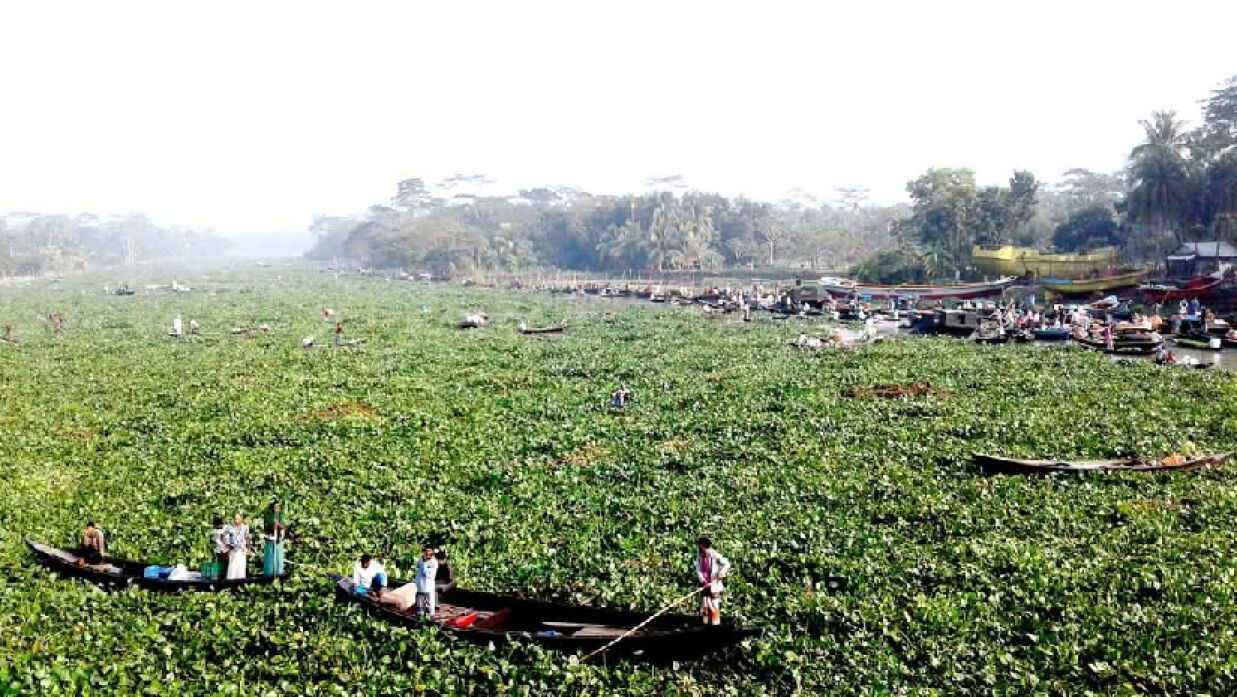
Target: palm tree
{"type": "Point", "coordinates": [936, 260]}
{"type": "Point", "coordinates": [1164, 133]}
{"type": "Point", "coordinates": [1161, 191]}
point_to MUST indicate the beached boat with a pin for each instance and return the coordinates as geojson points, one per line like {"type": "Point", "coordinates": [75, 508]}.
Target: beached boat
{"type": "Point", "coordinates": [1009, 260]}
{"type": "Point", "coordinates": [1168, 291]}
{"type": "Point", "coordinates": [1010, 465]}
{"type": "Point", "coordinates": [492, 618]}
{"type": "Point", "coordinates": [846, 287]}
{"type": "Point", "coordinates": [1099, 284]}
{"type": "Point", "coordinates": [123, 572]}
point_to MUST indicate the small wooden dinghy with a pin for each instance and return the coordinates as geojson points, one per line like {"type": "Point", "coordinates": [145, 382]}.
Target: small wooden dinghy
{"type": "Point", "coordinates": [557, 329]}
{"type": "Point", "coordinates": [1010, 465]}
{"type": "Point", "coordinates": [121, 572]}
{"type": "Point", "coordinates": [486, 618]}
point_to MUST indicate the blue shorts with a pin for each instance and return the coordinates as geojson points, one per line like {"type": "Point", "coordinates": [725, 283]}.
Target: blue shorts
{"type": "Point", "coordinates": [380, 581]}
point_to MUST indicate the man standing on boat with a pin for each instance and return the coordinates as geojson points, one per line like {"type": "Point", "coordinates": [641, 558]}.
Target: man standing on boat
{"type": "Point", "coordinates": [711, 567]}
{"type": "Point", "coordinates": [427, 576]}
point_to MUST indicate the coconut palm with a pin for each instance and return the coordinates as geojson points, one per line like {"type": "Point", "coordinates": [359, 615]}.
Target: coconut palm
{"type": "Point", "coordinates": [1164, 133]}
{"type": "Point", "coordinates": [1161, 191]}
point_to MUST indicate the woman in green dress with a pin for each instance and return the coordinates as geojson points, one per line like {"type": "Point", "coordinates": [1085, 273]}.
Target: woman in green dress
{"type": "Point", "coordinates": [273, 529]}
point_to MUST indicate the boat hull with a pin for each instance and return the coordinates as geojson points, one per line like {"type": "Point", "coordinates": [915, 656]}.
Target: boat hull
{"type": "Point", "coordinates": [667, 637]}
{"type": "Point", "coordinates": [1008, 465]}
{"type": "Point", "coordinates": [960, 291]}
{"type": "Point", "coordinates": [130, 573]}
{"type": "Point", "coordinates": [1084, 286]}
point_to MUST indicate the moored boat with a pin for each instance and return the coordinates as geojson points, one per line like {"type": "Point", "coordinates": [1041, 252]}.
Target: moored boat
{"type": "Point", "coordinates": [121, 572]}
{"type": "Point", "coordinates": [846, 287]}
{"type": "Point", "coordinates": [1136, 343]}
{"type": "Point", "coordinates": [1083, 286]}
{"type": "Point", "coordinates": [1165, 292]}
{"type": "Point", "coordinates": [1208, 343]}
{"type": "Point", "coordinates": [1050, 334]}
{"type": "Point", "coordinates": [1010, 465]}
{"type": "Point", "coordinates": [492, 618]}
{"type": "Point", "coordinates": [556, 329]}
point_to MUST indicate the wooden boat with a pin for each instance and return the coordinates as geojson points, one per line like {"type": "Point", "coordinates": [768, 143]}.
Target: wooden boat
{"type": "Point", "coordinates": [1010, 465]}
{"type": "Point", "coordinates": [1139, 344]}
{"type": "Point", "coordinates": [846, 287]}
{"type": "Point", "coordinates": [486, 618]}
{"type": "Point", "coordinates": [1050, 334]}
{"type": "Point", "coordinates": [1199, 343]}
{"type": "Point", "coordinates": [989, 335]}
{"type": "Point", "coordinates": [1185, 290]}
{"type": "Point", "coordinates": [557, 329]}
{"type": "Point", "coordinates": [1083, 286]}
{"type": "Point", "coordinates": [122, 572]}
{"type": "Point", "coordinates": [1009, 260]}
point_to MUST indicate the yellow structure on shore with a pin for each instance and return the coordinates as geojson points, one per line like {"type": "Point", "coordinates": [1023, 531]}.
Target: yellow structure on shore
{"type": "Point", "coordinates": [1016, 261]}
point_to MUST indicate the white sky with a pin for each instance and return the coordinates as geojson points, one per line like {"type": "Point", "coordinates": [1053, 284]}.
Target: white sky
{"type": "Point", "coordinates": [253, 116]}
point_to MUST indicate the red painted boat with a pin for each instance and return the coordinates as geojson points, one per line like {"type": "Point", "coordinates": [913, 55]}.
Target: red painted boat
{"type": "Point", "coordinates": [959, 291]}
{"type": "Point", "coordinates": [1193, 288]}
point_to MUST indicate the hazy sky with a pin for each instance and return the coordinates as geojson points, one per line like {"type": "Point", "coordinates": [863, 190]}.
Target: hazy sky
{"type": "Point", "coordinates": [254, 116]}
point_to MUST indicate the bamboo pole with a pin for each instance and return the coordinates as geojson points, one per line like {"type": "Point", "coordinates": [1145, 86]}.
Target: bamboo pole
{"type": "Point", "coordinates": [640, 626]}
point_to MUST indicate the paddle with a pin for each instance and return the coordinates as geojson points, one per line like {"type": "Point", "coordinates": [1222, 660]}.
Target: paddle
{"type": "Point", "coordinates": [640, 626]}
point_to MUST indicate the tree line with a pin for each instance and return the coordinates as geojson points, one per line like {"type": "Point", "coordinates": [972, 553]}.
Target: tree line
{"type": "Point", "coordinates": [565, 228]}
{"type": "Point", "coordinates": [1179, 184]}
{"type": "Point", "coordinates": [33, 244]}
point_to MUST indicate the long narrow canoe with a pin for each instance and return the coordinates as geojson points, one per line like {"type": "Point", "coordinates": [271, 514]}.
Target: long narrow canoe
{"type": "Point", "coordinates": [556, 329]}
{"type": "Point", "coordinates": [122, 572]}
{"type": "Point", "coordinates": [1010, 465]}
{"type": "Point", "coordinates": [842, 286]}
{"type": "Point", "coordinates": [486, 618]}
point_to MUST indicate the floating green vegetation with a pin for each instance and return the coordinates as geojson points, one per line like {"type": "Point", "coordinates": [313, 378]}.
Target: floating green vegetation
{"type": "Point", "coordinates": [878, 558]}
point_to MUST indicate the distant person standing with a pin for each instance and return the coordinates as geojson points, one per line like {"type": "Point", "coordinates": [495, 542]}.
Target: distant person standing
{"type": "Point", "coordinates": [8, 335]}
{"type": "Point", "coordinates": [273, 530]}
{"type": "Point", "coordinates": [238, 547]}
{"type": "Point", "coordinates": [339, 334]}
{"type": "Point", "coordinates": [710, 567]}
{"type": "Point", "coordinates": [427, 577]}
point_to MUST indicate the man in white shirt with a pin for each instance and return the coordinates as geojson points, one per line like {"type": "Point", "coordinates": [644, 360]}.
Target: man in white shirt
{"type": "Point", "coordinates": [427, 576]}
{"type": "Point", "coordinates": [369, 576]}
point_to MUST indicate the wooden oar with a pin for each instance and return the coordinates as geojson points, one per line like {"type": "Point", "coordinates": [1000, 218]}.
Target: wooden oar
{"type": "Point", "coordinates": [640, 626]}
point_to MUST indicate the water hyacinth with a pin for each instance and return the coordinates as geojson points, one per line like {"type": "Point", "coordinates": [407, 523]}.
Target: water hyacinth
{"type": "Point", "coordinates": [876, 556]}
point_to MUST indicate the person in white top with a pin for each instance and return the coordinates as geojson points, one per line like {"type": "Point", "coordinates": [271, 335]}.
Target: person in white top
{"type": "Point", "coordinates": [177, 327]}
{"type": "Point", "coordinates": [710, 567]}
{"type": "Point", "coordinates": [427, 576]}
{"type": "Point", "coordinates": [369, 576]}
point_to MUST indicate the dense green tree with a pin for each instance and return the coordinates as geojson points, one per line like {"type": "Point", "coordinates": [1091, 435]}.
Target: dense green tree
{"type": "Point", "coordinates": [1087, 229]}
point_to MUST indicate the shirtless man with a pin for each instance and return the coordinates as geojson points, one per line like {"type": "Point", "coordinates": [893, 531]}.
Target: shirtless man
{"type": "Point", "coordinates": [94, 547]}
